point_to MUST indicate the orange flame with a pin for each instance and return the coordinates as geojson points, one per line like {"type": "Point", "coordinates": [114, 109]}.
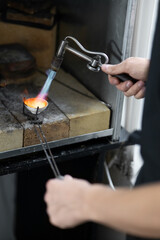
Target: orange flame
{"type": "Point", "coordinates": [35, 102]}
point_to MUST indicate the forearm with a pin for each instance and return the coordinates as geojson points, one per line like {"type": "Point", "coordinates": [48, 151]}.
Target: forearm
{"type": "Point", "coordinates": [135, 211]}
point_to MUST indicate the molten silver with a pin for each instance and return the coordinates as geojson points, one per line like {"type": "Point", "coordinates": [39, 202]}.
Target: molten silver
{"type": "Point", "coordinates": [38, 109]}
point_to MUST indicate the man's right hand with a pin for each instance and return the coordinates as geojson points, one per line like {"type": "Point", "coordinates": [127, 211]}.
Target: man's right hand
{"type": "Point", "coordinates": [136, 68]}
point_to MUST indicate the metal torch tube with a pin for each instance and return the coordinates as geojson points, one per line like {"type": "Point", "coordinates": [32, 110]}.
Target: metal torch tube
{"type": "Point", "coordinates": [79, 54]}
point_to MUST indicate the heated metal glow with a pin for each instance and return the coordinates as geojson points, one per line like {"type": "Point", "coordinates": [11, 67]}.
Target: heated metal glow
{"type": "Point", "coordinates": [35, 102]}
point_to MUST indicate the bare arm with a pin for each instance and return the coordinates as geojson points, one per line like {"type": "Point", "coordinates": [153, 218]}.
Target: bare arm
{"type": "Point", "coordinates": [135, 211]}
{"type": "Point", "coordinates": [72, 201]}
{"type": "Point", "coordinates": [136, 68]}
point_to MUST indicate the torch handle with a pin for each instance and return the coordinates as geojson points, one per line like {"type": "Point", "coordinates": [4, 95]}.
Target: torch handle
{"type": "Point", "coordinates": [125, 77]}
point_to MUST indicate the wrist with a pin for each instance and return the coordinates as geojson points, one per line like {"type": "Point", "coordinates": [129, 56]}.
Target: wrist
{"type": "Point", "coordinates": [97, 197]}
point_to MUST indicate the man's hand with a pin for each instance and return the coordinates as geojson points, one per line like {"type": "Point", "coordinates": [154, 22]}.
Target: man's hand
{"type": "Point", "coordinates": [66, 201]}
{"type": "Point", "coordinates": [136, 68]}
{"type": "Point", "coordinates": [71, 202]}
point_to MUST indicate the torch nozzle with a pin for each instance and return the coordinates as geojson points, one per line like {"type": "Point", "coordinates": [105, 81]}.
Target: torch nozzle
{"type": "Point", "coordinates": [56, 63]}
{"type": "Point", "coordinates": [57, 60]}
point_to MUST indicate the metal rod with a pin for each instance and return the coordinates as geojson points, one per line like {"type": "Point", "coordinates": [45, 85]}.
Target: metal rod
{"type": "Point", "coordinates": [85, 50]}
{"type": "Point", "coordinates": [45, 148]}
{"type": "Point", "coordinates": [109, 176]}
{"type": "Point", "coordinates": [51, 155]}
{"type": "Point", "coordinates": [37, 112]}
{"type": "Point", "coordinates": [79, 54]}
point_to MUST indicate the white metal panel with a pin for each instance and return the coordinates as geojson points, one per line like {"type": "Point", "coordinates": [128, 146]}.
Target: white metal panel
{"type": "Point", "coordinates": [146, 14]}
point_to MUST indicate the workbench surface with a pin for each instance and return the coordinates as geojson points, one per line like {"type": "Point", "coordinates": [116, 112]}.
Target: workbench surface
{"type": "Point", "coordinates": [72, 111]}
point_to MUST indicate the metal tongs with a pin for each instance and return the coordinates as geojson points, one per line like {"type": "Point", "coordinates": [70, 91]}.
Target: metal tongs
{"type": "Point", "coordinates": [41, 136]}
{"type": "Point", "coordinates": [47, 151]}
